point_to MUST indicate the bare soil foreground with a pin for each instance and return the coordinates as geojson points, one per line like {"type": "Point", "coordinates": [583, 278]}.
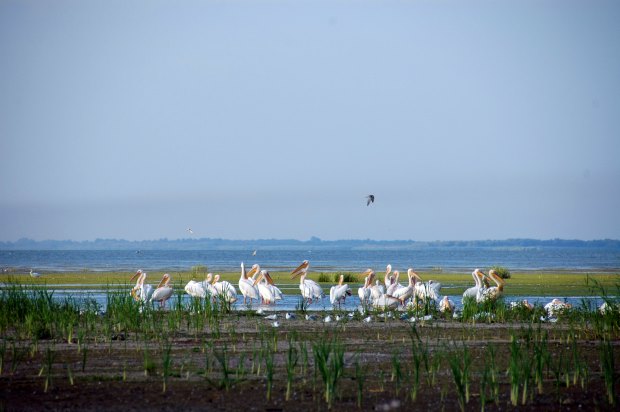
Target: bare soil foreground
{"type": "Point", "coordinates": [209, 360]}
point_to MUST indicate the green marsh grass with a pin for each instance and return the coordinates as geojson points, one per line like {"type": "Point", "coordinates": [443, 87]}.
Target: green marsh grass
{"type": "Point", "coordinates": [460, 362]}
{"type": "Point", "coordinates": [609, 372]}
{"type": "Point", "coordinates": [268, 357]}
{"type": "Point", "coordinates": [292, 358]}
{"type": "Point", "coordinates": [329, 361]}
{"type": "Point", "coordinates": [360, 379]}
{"type": "Point", "coordinates": [166, 363]}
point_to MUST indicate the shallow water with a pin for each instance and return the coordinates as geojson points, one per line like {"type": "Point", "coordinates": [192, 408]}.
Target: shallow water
{"type": "Point", "coordinates": [291, 300]}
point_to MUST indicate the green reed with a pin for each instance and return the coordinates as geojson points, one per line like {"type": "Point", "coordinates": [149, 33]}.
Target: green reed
{"type": "Point", "coordinates": [606, 356]}
{"type": "Point", "coordinates": [397, 372]}
{"type": "Point", "coordinates": [47, 367]}
{"type": "Point", "coordinates": [166, 363]}
{"type": "Point", "coordinates": [268, 356]}
{"type": "Point", "coordinates": [226, 376]}
{"type": "Point", "coordinates": [416, 361]}
{"type": "Point", "coordinates": [360, 379]}
{"type": "Point", "coordinates": [541, 358]}
{"type": "Point", "coordinates": [329, 360]}
{"type": "Point", "coordinates": [292, 358]}
{"type": "Point", "coordinates": [460, 362]}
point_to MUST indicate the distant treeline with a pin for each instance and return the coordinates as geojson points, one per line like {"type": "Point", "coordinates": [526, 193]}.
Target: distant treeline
{"type": "Point", "coordinates": [292, 244]}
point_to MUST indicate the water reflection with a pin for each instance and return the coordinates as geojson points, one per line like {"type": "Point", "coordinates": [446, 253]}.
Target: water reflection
{"type": "Point", "coordinates": [291, 301]}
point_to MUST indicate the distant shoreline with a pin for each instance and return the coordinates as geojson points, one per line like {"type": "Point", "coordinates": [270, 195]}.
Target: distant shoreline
{"type": "Point", "coordinates": [313, 243]}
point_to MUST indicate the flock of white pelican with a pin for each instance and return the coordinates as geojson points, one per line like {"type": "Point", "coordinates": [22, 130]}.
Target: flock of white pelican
{"type": "Point", "coordinates": [388, 294]}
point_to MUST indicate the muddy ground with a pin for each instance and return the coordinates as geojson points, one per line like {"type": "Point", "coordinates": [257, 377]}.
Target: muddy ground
{"type": "Point", "coordinates": [218, 368]}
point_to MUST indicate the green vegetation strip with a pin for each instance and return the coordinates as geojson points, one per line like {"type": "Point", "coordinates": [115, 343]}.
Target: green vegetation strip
{"type": "Point", "coordinates": [519, 284]}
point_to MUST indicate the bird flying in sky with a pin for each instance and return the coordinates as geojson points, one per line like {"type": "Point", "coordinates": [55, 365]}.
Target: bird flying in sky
{"type": "Point", "coordinates": [189, 229]}
{"type": "Point", "coordinates": [371, 199]}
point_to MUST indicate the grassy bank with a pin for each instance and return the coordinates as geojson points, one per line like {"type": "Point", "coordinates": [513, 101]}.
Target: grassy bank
{"type": "Point", "coordinates": [520, 284]}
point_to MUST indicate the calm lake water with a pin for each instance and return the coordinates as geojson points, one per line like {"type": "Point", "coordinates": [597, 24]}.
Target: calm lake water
{"type": "Point", "coordinates": [454, 259]}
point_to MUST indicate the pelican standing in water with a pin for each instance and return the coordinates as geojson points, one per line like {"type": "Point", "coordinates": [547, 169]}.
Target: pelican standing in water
{"type": "Point", "coordinates": [199, 289]}
{"type": "Point", "coordinates": [224, 289]}
{"type": "Point", "coordinates": [339, 292]}
{"type": "Point", "coordinates": [406, 292]}
{"type": "Point", "coordinates": [246, 286]}
{"type": "Point", "coordinates": [310, 290]}
{"type": "Point", "coordinates": [473, 291]}
{"type": "Point", "coordinates": [141, 292]}
{"type": "Point", "coordinates": [267, 289]}
{"type": "Point", "coordinates": [494, 292]}
{"type": "Point", "coordinates": [163, 292]}
{"type": "Point", "coordinates": [377, 290]}
{"type": "Point", "coordinates": [387, 279]}
{"type": "Point", "coordinates": [364, 291]}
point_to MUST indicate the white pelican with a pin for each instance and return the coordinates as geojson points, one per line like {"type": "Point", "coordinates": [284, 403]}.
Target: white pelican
{"type": "Point", "coordinates": [246, 286]}
{"type": "Point", "coordinates": [141, 292]}
{"type": "Point", "coordinates": [377, 290]}
{"type": "Point", "coordinates": [386, 302]}
{"type": "Point", "coordinates": [446, 305]}
{"type": "Point", "coordinates": [386, 278]}
{"type": "Point", "coordinates": [34, 274]}
{"type": "Point", "coordinates": [224, 290]}
{"type": "Point", "coordinates": [406, 292]}
{"type": "Point", "coordinates": [364, 291]}
{"type": "Point", "coordinates": [163, 291]}
{"type": "Point", "coordinates": [556, 307]}
{"type": "Point", "coordinates": [200, 289]}
{"type": "Point", "coordinates": [394, 285]}
{"type": "Point", "coordinates": [426, 290]}
{"type": "Point", "coordinates": [494, 292]}
{"type": "Point", "coordinates": [267, 290]}
{"type": "Point", "coordinates": [339, 292]}
{"type": "Point", "coordinates": [309, 288]}
{"type": "Point", "coordinates": [473, 291]}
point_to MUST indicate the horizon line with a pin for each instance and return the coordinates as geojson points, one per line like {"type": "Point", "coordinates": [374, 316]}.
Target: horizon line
{"type": "Point", "coordinates": [310, 240]}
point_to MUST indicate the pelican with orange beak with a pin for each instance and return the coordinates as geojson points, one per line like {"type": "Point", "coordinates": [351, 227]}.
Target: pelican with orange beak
{"type": "Point", "coordinates": [310, 290]}
{"type": "Point", "coordinates": [478, 285]}
{"type": "Point", "coordinates": [141, 292]}
{"type": "Point", "coordinates": [163, 292]}
{"type": "Point", "coordinates": [492, 293]}
{"type": "Point", "coordinates": [267, 289]}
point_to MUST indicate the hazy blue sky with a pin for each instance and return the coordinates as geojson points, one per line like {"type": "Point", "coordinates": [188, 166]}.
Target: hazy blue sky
{"type": "Point", "coordinates": [274, 119]}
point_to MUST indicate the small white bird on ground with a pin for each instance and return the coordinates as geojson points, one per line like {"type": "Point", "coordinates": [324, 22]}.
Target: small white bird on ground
{"type": "Point", "coordinates": [34, 274]}
{"type": "Point", "coordinates": [275, 324]}
{"type": "Point", "coordinates": [272, 317]}
{"type": "Point", "coordinates": [368, 319]}
{"type": "Point", "coordinates": [289, 316]}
